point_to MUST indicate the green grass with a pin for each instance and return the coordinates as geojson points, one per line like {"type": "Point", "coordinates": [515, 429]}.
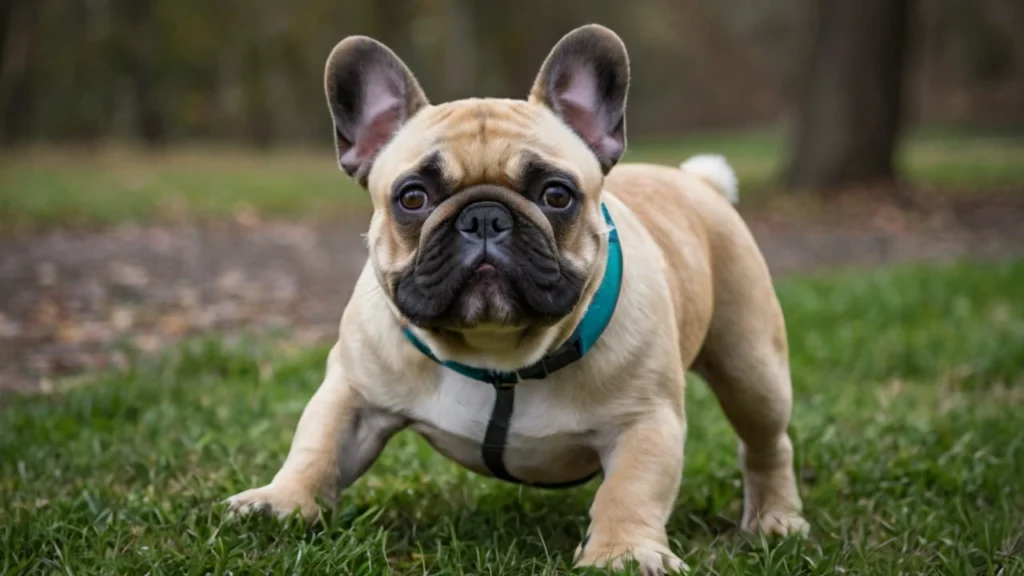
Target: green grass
{"type": "Point", "coordinates": [45, 188]}
{"type": "Point", "coordinates": [907, 423]}
{"type": "Point", "coordinates": [946, 158]}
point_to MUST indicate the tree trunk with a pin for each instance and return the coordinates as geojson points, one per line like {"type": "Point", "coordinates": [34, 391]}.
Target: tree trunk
{"type": "Point", "coordinates": [850, 103]}
{"type": "Point", "coordinates": [18, 39]}
{"type": "Point", "coordinates": [132, 49]}
{"type": "Point", "coordinates": [140, 19]}
{"type": "Point", "coordinates": [258, 110]}
{"type": "Point", "coordinates": [460, 49]}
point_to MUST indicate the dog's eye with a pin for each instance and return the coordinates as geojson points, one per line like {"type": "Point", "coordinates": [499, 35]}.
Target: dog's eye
{"type": "Point", "coordinates": [413, 198]}
{"type": "Point", "coordinates": [557, 196]}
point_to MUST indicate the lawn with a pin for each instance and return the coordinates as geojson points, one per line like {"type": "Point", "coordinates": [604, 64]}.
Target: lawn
{"type": "Point", "coordinates": [45, 188]}
{"type": "Point", "coordinates": [907, 422]}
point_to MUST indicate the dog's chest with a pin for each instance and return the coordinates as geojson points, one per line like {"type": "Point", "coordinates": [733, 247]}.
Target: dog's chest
{"type": "Point", "coordinates": [548, 439]}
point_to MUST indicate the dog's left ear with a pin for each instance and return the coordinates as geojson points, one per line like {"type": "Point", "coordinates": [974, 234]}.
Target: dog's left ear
{"type": "Point", "coordinates": [584, 81]}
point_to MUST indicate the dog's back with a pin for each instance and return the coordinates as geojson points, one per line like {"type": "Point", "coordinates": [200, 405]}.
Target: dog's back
{"type": "Point", "coordinates": [688, 212]}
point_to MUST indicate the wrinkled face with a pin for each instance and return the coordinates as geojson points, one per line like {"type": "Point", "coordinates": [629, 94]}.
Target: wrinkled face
{"type": "Point", "coordinates": [486, 213]}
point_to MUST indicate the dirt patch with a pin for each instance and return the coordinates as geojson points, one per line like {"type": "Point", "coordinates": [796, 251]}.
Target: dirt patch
{"type": "Point", "coordinates": [865, 229]}
{"type": "Point", "coordinates": [72, 302]}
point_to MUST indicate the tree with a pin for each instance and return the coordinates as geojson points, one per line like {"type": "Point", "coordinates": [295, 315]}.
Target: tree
{"type": "Point", "coordinates": [850, 100]}
{"type": "Point", "coordinates": [137, 24]}
{"type": "Point", "coordinates": [460, 49]}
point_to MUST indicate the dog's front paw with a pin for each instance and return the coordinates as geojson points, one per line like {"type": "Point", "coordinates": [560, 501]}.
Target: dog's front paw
{"type": "Point", "coordinates": [653, 558]}
{"type": "Point", "coordinates": [280, 500]}
{"type": "Point", "coordinates": [778, 522]}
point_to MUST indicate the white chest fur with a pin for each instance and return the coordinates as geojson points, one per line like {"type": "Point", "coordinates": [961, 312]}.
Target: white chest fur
{"type": "Point", "coordinates": [548, 440]}
{"type": "Point", "coordinates": [462, 406]}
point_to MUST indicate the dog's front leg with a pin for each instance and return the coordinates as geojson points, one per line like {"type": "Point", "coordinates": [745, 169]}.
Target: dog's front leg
{"type": "Point", "coordinates": [338, 437]}
{"type": "Point", "coordinates": [643, 466]}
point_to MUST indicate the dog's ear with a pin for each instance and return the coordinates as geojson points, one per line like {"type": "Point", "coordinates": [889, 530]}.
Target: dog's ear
{"type": "Point", "coordinates": [584, 81]}
{"type": "Point", "coordinates": [371, 94]}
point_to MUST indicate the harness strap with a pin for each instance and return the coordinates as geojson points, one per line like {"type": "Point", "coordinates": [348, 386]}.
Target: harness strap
{"type": "Point", "coordinates": [493, 448]}
{"type": "Point", "coordinates": [496, 436]}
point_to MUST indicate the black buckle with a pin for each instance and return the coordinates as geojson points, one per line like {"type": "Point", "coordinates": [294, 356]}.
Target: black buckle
{"type": "Point", "coordinates": [538, 371]}
{"type": "Point", "coordinates": [570, 352]}
{"type": "Point", "coordinates": [504, 379]}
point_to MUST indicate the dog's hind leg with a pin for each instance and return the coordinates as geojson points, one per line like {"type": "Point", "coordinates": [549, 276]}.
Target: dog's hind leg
{"type": "Point", "coordinates": [745, 361]}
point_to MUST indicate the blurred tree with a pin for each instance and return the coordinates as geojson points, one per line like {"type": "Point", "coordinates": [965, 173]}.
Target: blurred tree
{"type": "Point", "coordinates": [460, 49]}
{"type": "Point", "coordinates": [258, 109]}
{"type": "Point", "coordinates": [250, 71]}
{"type": "Point", "coordinates": [135, 30]}
{"type": "Point", "coordinates": [18, 34]}
{"type": "Point", "coordinates": [89, 71]}
{"type": "Point", "coordinates": [850, 102]}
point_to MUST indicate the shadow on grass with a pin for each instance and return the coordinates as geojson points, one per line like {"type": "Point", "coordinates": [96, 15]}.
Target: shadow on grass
{"type": "Point", "coordinates": [487, 514]}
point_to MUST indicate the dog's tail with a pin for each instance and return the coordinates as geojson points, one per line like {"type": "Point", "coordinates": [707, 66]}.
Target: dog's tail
{"type": "Point", "coordinates": [715, 170]}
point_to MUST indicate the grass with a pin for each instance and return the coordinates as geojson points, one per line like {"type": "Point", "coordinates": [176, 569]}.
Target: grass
{"type": "Point", "coordinates": [49, 188]}
{"type": "Point", "coordinates": [907, 423]}
{"type": "Point", "coordinates": [947, 158]}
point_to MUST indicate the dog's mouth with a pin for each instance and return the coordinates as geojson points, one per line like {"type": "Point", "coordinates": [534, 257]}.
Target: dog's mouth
{"type": "Point", "coordinates": [487, 297]}
{"type": "Point", "coordinates": [488, 265]}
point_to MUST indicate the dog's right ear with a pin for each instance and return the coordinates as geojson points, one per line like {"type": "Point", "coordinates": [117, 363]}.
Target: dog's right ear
{"type": "Point", "coordinates": [371, 94]}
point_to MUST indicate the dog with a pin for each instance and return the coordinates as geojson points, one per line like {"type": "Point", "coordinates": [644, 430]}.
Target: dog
{"type": "Point", "coordinates": [531, 308]}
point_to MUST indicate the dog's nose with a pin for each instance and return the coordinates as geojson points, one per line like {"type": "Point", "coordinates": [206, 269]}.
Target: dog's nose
{"type": "Point", "coordinates": [486, 221]}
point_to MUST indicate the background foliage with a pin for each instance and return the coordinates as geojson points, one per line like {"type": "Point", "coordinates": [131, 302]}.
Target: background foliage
{"type": "Point", "coordinates": [249, 71]}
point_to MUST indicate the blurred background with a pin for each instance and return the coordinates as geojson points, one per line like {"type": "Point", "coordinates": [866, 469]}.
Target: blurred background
{"type": "Point", "coordinates": [162, 72]}
{"type": "Point", "coordinates": [166, 166]}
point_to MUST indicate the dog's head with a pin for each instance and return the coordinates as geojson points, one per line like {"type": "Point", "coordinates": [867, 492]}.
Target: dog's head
{"type": "Point", "coordinates": [487, 215]}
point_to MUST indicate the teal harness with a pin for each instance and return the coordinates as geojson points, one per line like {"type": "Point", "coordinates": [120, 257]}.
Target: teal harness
{"type": "Point", "coordinates": [583, 338]}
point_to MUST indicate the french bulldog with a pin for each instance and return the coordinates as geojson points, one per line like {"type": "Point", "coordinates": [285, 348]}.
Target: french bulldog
{"type": "Point", "coordinates": [531, 307]}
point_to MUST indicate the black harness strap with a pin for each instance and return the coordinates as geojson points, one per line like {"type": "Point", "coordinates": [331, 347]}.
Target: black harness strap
{"type": "Point", "coordinates": [493, 448]}
{"type": "Point", "coordinates": [566, 354]}
{"type": "Point", "coordinates": [496, 438]}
